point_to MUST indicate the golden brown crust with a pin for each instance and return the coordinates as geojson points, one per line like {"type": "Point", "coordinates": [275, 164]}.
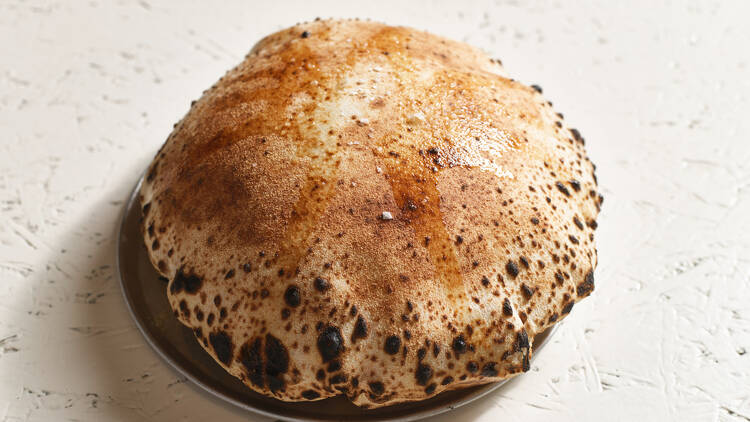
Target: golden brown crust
{"type": "Point", "coordinates": [372, 211]}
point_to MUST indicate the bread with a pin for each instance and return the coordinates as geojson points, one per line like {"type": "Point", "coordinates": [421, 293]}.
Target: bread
{"type": "Point", "coordinates": [372, 211]}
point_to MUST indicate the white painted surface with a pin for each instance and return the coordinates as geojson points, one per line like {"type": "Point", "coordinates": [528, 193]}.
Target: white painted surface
{"type": "Point", "coordinates": [89, 90]}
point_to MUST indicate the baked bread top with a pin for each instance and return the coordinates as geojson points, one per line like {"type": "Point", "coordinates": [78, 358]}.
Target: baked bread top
{"type": "Point", "coordinates": [372, 211]}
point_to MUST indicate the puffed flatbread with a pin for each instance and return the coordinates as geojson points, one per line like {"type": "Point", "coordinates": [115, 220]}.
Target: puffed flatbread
{"type": "Point", "coordinates": [371, 211]}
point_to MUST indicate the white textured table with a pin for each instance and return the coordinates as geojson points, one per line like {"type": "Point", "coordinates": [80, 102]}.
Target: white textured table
{"type": "Point", "coordinates": [89, 90]}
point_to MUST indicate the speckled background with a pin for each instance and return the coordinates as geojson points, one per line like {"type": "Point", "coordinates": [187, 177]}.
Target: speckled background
{"type": "Point", "coordinates": [89, 90]}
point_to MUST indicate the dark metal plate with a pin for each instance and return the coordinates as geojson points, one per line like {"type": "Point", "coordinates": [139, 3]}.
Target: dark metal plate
{"type": "Point", "coordinates": [146, 299]}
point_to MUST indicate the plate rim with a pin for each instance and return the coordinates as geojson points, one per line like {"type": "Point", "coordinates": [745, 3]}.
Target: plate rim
{"type": "Point", "coordinates": [175, 366]}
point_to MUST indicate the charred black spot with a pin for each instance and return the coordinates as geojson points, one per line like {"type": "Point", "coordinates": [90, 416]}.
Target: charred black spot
{"type": "Point", "coordinates": [320, 375]}
{"type": "Point", "coordinates": [472, 367]}
{"type": "Point", "coordinates": [447, 380]}
{"type": "Point", "coordinates": [575, 184]}
{"type": "Point", "coordinates": [423, 374]}
{"type": "Point", "coordinates": [573, 239]}
{"type": "Point", "coordinates": [459, 344]}
{"type": "Point", "coordinates": [334, 366]}
{"type": "Point", "coordinates": [512, 269]}
{"type": "Point", "coordinates": [537, 88]}
{"type": "Point", "coordinates": [489, 370]}
{"type": "Point", "coordinates": [246, 268]}
{"type": "Point", "coordinates": [559, 277]}
{"type": "Point", "coordinates": [587, 286]}
{"type": "Point", "coordinates": [523, 339]}
{"type": "Point", "coordinates": [217, 300]}
{"type": "Point", "coordinates": [251, 359]}
{"type": "Point", "coordinates": [360, 329]}
{"type": "Point", "coordinates": [562, 188]}
{"type": "Point", "coordinates": [275, 383]}
{"type": "Point", "coordinates": [277, 362]}
{"type": "Point", "coordinates": [392, 345]}
{"type": "Point", "coordinates": [292, 296]}
{"type": "Point", "coordinates": [146, 208]}
{"type": "Point", "coordinates": [578, 223]}
{"type": "Point", "coordinates": [430, 388]}
{"type": "Point", "coordinates": [592, 224]}
{"type": "Point", "coordinates": [526, 291]}
{"type": "Point", "coordinates": [310, 394]}
{"type": "Point", "coordinates": [222, 314]}
{"type": "Point", "coordinates": [526, 364]}
{"type": "Point", "coordinates": [321, 284]}
{"type": "Point", "coordinates": [376, 388]}
{"type": "Point", "coordinates": [421, 353]}
{"type": "Point", "coordinates": [534, 220]}
{"type": "Point", "coordinates": [229, 274]}
{"type": "Point", "coordinates": [485, 281]}
{"type": "Point", "coordinates": [524, 261]}
{"type": "Point", "coordinates": [210, 319]}
{"type": "Point", "coordinates": [338, 379]}
{"type": "Point", "coordinates": [435, 349]}
{"type": "Point", "coordinates": [568, 307]}
{"type": "Point", "coordinates": [507, 307]}
{"type": "Point", "coordinates": [304, 34]}
{"type": "Point", "coordinates": [222, 345]}
{"type": "Point", "coordinates": [355, 382]}
{"type": "Point", "coordinates": [330, 343]}
{"type": "Point", "coordinates": [553, 317]}
{"type": "Point", "coordinates": [191, 283]}
{"type": "Point", "coordinates": [184, 309]}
